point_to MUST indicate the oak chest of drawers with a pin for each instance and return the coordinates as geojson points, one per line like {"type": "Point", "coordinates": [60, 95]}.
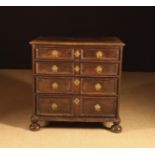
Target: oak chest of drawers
{"type": "Point", "coordinates": [76, 80]}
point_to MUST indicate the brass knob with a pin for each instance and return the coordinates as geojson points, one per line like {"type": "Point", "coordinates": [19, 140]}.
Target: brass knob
{"type": "Point", "coordinates": [77, 53]}
{"type": "Point", "coordinates": [77, 69]}
{"type": "Point", "coordinates": [99, 54]}
{"type": "Point", "coordinates": [99, 69]}
{"type": "Point", "coordinates": [54, 68]}
{"type": "Point", "coordinates": [98, 86]}
{"type": "Point", "coordinates": [76, 82]}
{"type": "Point", "coordinates": [97, 107]}
{"type": "Point", "coordinates": [54, 85]}
{"type": "Point", "coordinates": [54, 106]}
{"type": "Point", "coordinates": [55, 53]}
{"type": "Point", "coordinates": [76, 101]}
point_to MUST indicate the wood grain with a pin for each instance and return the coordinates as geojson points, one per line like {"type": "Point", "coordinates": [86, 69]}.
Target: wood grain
{"type": "Point", "coordinates": [76, 80]}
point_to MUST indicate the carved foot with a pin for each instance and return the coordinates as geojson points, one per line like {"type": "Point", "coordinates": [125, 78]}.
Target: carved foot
{"type": "Point", "coordinates": [116, 128]}
{"type": "Point", "coordinates": [34, 126]}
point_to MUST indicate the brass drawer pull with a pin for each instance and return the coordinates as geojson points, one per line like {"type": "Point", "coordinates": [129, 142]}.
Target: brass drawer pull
{"type": "Point", "coordinates": [77, 53]}
{"type": "Point", "coordinates": [76, 82]}
{"type": "Point", "coordinates": [76, 101]}
{"type": "Point", "coordinates": [54, 68]}
{"type": "Point", "coordinates": [55, 85]}
{"type": "Point", "coordinates": [76, 69]}
{"type": "Point", "coordinates": [98, 86]}
{"type": "Point", "coordinates": [54, 53]}
{"type": "Point", "coordinates": [99, 69]}
{"type": "Point", "coordinates": [54, 106]}
{"type": "Point", "coordinates": [97, 107]}
{"type": "Point", "coordinates": [99, 54]}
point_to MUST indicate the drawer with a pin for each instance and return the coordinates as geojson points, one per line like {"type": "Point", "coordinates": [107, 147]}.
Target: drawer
{"type": "Point", "coordinates": [69, 68]}
{"type": "Point", "coordinates": [54, 105]}
{"type": "Point", "coordinates": [54, 85]}
{"type": "Point", "coordinates": [55, 68]}
{"type": "Point", "coordinates": [99, 86]}
{"type": "Point", "coordinates": [54, 53]}
{"type": "Point", "coordinates": [99, 69]}
{"type": "Point", "coordinates": [99, 106]}
{"type": "Point", "coordinates": [101, 54]}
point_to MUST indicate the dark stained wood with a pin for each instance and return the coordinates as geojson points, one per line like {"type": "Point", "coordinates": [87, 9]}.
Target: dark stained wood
{"type": "Point", "coordinates": [76, 119]}
{"type": "Point", "coordinates": [86, 68]}
{"type": "Point", "coordinates": [47, 53]}
{"type": "Point", "coordinates": [107, 106]}
{"type": "Point", "coordinates": [108, 41]}
{"type": "Point", "coordinates": [99, 69]}
{"type": "Point", "coordinates": [55, 68]}
{"type": "Point", "coordinates": [64, 106]}
{"type": "Point", "coordinates": [109, 53]}
{"type": "Point", "coordinates": [102, 86]}
{"type": "Point", "coordinates": [54, 85]}
{"type": "Point", "coordinates": [76, 80]}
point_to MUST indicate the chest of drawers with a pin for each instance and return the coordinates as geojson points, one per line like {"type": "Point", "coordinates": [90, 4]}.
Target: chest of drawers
{"type": "Point", "coordinates": [76, 80]}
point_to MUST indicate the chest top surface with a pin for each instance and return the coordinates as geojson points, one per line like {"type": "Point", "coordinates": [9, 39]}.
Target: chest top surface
{"type": "Point", "coordinates": [103, 41]}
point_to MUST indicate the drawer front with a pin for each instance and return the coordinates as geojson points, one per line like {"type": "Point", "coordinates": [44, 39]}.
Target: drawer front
{"type": "Point", "coordinates": [98, 106]}
{"type": "Point", "coordinates": [55, 68]}
{"type": "Point", "coordinates": [99, 86]}
{"type": "Point", "coordinates": [54, 53]}
{"type": "Point", "coordinates": [54, 85]}
{"type": "Point", "coordinates": [54, 105]}
{"type": "Point", "coordinates": [69, 68]}
{"type": "Point", "coordinates": [101, 54]}
{"type": "Point", "coordinates": [99, 69]}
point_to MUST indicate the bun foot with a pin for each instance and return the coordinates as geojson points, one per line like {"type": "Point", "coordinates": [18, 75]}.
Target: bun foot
{"type": "Point", "coordinates": [116, 128]}
{"type": "Point", "coordinates": [34, 127]}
